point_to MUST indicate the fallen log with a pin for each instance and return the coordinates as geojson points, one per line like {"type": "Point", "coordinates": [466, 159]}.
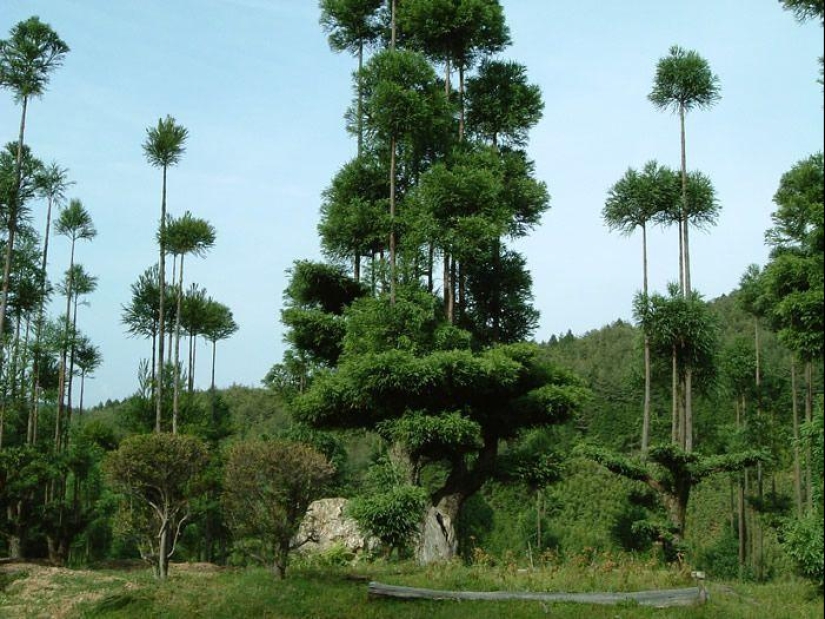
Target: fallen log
{"type": "Point", "coordinates": [659, 599]}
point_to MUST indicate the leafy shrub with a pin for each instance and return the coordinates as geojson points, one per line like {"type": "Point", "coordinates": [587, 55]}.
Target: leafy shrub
{"type": "Point", "coordinates": [268, 486]}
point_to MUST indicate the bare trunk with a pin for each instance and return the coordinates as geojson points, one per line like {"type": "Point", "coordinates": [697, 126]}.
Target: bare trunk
{"type": "Point", "coordinates": [163, 552]}
{"type": "Point", "coordinates": [674, 387]}
{"type": "Point", "coordinates": [393, 158]}
{"type": "Point", "coordinates": [360, 114]}
{"type": "Point", "coordinates": [394, 23]}
{"type": "Point", "coordinates": [61, 379]}
{"type": "Point", "coordinates": [449, 303]}
{"type": "Point", "coordinates": [12, 224]}
{"type": "Point", "coordinates": [462, 112]}
{"type": "Point", "coordinates": [176, 383]}
{"type": "Point", "coordinates": [437, 541]}
{"type": "Point", "coordinates": [161, 308]}
{"type": "Point", "coordinates": [82, 389]}
{"type": "Point", "coordinates": [430, 267]}
{"type": "Point", "coordinates": [194, 363]}
{"type": "Point", "coordinates": [689, 410]}
{"type": "Point", "coordinates": [684, 267]}
{"type": "Point", "coordinates": [809, 402]}
{"type": "Point", "coordinates": [646, 411]}
{"type": "Point", "coordinates": [71, 372]}
{"type": "Point", "coordinates": [743, 529]}
{"type": "Point", "coordinates": [797, 464]}
{"type": "Point", "coordinates": [214, 353]}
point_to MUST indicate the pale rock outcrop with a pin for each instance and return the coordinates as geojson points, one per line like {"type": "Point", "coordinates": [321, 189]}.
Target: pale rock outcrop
{"type": "Point", "coordinates": [327, 526]}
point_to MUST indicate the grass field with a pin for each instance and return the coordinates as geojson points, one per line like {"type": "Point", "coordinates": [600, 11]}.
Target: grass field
{"type": "Point", "coordinates": [201, 590]}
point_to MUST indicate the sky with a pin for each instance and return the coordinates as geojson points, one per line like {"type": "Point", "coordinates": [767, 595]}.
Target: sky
{"type": "Point", "coordinates": [263, 99]}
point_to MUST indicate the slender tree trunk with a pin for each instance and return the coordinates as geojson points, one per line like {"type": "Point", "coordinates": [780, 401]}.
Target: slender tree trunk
{"type": "Point", "coordinates": [163, 552]}
{"type": "Point", "coordinates": [462, 112]}
{"type": "Point", "coordinates": [674, 387]}
{"type": "Point", "coordinates": [12, 224]}
{"type": "Point", "coordinates": [214, 354]}
{"type": "Point", "coordinates": [61, 379]}
{"type": "Point", "coordinates": [689, 410]}
{"type": "Point", "coordinates": [70, 379]}
{"type": "Point", "coordinates": [82, 389]}
{"type": "Point", "coordinates": [161, 308]}
{"type": "Point", "coordinates": [683, 215]}
{"type": "Point", "coordinates": [393, 162]}
{"type": "Point", "coordinates": [646, 412]}
{"type": "Point", "coordinates": [740, 493]}
{"type": "Point", "coordinates": [154, 363]}
{"type": "Point", "coordinates": [758, 532]}
{"type": "Point", "coordinates": [360, 110]}
{"type": "Point", "coordinates": [194, 362]}
{"type": "Point", "coordinates": [394, 23]}
{"type": "Point", "coordinates": [39, 324]}
{"type": "Point", "coordinates": [809, 402]}
{"type": "Point", "coordinates": [462, 289]}
{"type": "Point", "coordinates": [189, 375]}
{"type": "Point", "coordinates": [176, 383]}
{"type": "Point", "coordinates": [797, 464]}
{"type": "Point", "coordinates": [430, 267]}
{"type": "Point", "coordinates": [449, 303]}
{"type": "Point", "coordinates": [496, 299]}
{"type": "Point", "coordinates": [743, 527]}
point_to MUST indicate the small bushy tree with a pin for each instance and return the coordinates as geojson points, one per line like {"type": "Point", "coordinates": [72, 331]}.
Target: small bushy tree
{"type": "Point", "coordinates": [268, 486]}
{"type": "Point", "coordinates": [159, 476]}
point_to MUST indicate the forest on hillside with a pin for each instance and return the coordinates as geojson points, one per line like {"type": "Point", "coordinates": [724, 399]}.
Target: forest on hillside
{"type": "Point", "coordinates": [412, 385]}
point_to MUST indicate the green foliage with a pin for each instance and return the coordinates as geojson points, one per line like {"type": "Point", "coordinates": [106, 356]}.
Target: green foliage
{"type": "Point", "coordinates": [682, 326]}
{"type": "Point", "coordinates": [351, 24]}
{"type": "Point", "coordinates": [268, 486]}
{"type": "Point", "coordinates": [684, 81]}
{"type": "Point", "coordinates": [501, 105]}
{"type": "Point", "coordinates": [415, 323]}
{"type": "Point", "coordinates": [13, 197]}
{"type": "Point", "coordinates": [803, 540]}
{"type": "Point", "coordinates": [456, 30]}
{"type": "Point", "coordinates": [28, 57]}
{"type": "Point", "coordinates": [426, 436]}
{"type": "Point", "coordinates": [804, 10]}
{"type": "Point", "coordinates": [402, 97]}
{"type": "Point", "coordinates": [160, 475]}
{"type": "Point", "coordinates": [390, 508]}
{"type": "Point", "coordinates": [323, 287]}
{"type": "Point", "coordinates": [166, 143]}
{"type": "Point", "coordinates": [639, 198]}
{"type": "Point", "coordinates": [354, 214]}
{"type": "Point", "coordinates": [793, 279]}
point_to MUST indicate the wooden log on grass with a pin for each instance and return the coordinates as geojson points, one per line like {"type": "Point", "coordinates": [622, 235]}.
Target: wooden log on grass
{"type": "Point", "coordinates": [659, 599]}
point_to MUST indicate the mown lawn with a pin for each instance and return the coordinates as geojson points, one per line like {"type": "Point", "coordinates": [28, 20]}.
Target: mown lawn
{"type": "Point", "coordinates": [341, 593]}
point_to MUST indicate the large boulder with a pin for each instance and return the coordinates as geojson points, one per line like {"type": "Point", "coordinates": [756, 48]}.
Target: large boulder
{"type": "Point", "coordinates": [327, 527]}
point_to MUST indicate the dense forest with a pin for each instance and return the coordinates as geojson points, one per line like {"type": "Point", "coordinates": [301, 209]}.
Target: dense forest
{"type": "Point", "coordinates": [412, 385]}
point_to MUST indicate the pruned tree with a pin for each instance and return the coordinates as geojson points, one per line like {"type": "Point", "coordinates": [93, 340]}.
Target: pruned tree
{"type": "Point", "coordinates": [401, 100]}
{"type": "Point", "coordinates": [27, 59]}
{"type": "Point", "coordinates": [164, 146]}
{"type": "Point", "coordinates": [353, 26]}
{"type": "Point", "coordinates": [159, 476]}
{"type": "Point", "coordinates": [76, 224]}
{"type": "Point", "coordinates": [268, 486]}
{"type": "Point", "coordinates": [635, 201]}
{"type": "Point", "coordinates": [187, 235]}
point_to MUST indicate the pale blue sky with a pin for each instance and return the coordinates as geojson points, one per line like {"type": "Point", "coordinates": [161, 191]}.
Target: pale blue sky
{"type": "Point", "coordinates": [264, 98]}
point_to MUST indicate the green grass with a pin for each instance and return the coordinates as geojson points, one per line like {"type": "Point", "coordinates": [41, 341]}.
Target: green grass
{"type": "Point", "coordinates": [341, 593]}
